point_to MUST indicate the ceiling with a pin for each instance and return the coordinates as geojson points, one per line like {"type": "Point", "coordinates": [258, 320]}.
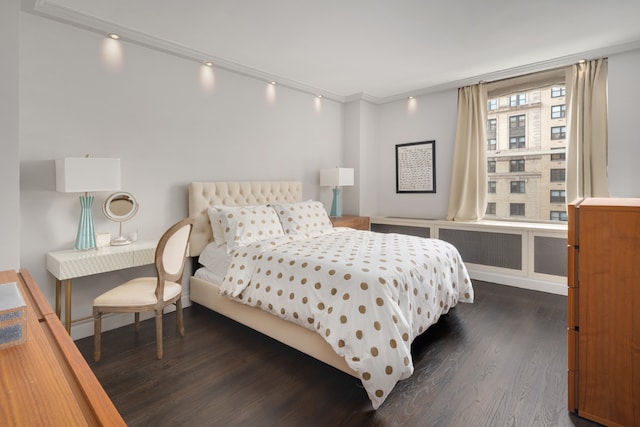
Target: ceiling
{"type": "Point", "coordinates": [376, 49]}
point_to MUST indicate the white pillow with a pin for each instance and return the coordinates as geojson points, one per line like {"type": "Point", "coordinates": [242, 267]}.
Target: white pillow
{"type": "Point", "coordinates": [216, 225]}
{"type": "Point", "coordinates": [243, 225]}
{"type": "Point", "coordinates": [308, 218]}
{"type": "Point", "coordinates": [215, 258]}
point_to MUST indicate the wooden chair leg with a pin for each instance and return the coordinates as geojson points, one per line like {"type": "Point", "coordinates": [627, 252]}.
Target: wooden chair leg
{"type": "Point", "coordinates": [179, 317]}
{"type": "Point", "coordinates": [97, 328]}
{"type": "Point", "coordinates": [136, 317]}
{"type": "Point", "coordinates": [159, 333]}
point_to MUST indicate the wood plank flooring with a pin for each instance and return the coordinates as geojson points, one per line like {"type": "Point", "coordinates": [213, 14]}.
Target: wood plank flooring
{"type": "Point", "coordinates": [501, 361]}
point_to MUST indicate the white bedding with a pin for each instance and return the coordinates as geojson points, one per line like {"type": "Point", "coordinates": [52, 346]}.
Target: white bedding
{"type": "Point", "coordinates": [367, 294]}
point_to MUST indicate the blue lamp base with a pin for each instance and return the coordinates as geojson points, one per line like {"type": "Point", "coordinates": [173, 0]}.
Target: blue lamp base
{"type": "Point", "coordinates": [86, 237]}
{"type": "Point", "coordinates": [336, 210]}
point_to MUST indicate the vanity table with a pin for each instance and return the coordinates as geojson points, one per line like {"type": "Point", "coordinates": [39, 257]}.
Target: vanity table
{"type": "Point", "coordinates": [71, 263]}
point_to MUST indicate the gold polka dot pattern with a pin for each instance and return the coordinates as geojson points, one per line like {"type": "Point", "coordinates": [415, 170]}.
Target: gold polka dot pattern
{"type": "Point", "coordinates": [367, 294]}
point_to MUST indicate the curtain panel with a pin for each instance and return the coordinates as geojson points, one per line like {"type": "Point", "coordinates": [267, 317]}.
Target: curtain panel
{"type": "Point", "coordinates": [468, 197]}
{"type": "Point", "coordinates": [587, 130]}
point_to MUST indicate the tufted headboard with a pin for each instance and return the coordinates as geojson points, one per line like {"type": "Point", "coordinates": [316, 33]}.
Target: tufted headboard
{"type": "Point", "coordinates": [203, 195]}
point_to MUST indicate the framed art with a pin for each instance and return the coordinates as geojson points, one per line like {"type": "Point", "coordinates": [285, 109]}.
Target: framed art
{"type": "Point", "coordinates": [416, 167]}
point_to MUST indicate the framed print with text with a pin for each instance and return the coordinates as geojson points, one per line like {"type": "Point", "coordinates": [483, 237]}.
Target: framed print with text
{"type": "Point", "coordinates": [416, 167]}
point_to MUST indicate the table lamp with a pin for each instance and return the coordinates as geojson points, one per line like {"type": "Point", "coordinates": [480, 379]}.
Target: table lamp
{"type": "Point", "coordinates": [336, 178]}
{"type": "Point", "coordinates": [84, 175]}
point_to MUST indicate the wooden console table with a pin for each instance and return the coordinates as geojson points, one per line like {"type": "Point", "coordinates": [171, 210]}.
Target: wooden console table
{"type": "Point", "coordinates": [45, 381]}
{"type": "Point", "coordinates": [71, 263]}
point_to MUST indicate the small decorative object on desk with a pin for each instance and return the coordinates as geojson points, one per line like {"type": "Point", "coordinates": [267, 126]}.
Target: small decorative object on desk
{"type": "Point", "coordinates": [13, 316]}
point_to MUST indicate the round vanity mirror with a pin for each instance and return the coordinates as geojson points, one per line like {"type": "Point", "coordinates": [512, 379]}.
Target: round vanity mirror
{"type": "Point", "coordinates": [120, 207]}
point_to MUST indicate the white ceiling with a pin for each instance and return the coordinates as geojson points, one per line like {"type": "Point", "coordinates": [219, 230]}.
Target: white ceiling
{"type": "Point", "coordinates": [379, 49]}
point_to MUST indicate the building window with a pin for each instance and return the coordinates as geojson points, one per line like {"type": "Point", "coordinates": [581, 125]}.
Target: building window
{"type": "Point", "coordinates": [517, 100]}
{"type": "Point", "coordinates": [491, 208]}
{"type": "Point", "coordinates": [557, 175]}
{"type": "Point", "coordinates": [558, 156]}
{"type": "Point", "coordinates": [517, 122]}
{"type": "Point", "coordinates": [516, 209]}
{"type": "Point", "coordinates": [557, 196]}
{"type": "Point", "coordinates": [516, 165]}
{"type": "Point", "coordinates": [491, 144]}
{"type": "Point", "coordinates": [491, 166]}
{"type": "Point", "coordinates": [558, 91]}
{"type": "Point", "coordinates": [492, 125]}
{"type": "Point", "coordinates": [558, 216]}
{"type": "Point", "coordinates": [492, 104]}
{"type": "Point", "coordinates": [558, 111]}
{"type": "Point", "coordinates": [492, 187]}
{"type": "Point", "coordinates": [517, 187]}
{"type": "Point", "coordinates": [558, 132]}
{"type": "Point", "coordinates": [517, 142]}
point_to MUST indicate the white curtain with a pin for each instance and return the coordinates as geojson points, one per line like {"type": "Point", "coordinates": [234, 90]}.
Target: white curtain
{"type": "Point", "coordinates": [468, 196]}
{"type": "Point", "coordinates": [586, 87]}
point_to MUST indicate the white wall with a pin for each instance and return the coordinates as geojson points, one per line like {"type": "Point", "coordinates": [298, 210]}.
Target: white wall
{"type": "Point", "coordinates": [424, 118]}
{"type": "Point", "coordinates": [156, 115]}
{"type": "Point", "coordinates": [624, 113]}
{"type": "Point", "coordinates": [9, 136]}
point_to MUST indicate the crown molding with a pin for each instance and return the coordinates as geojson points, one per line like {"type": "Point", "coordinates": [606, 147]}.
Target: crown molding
{"type": "Point", "coordinates": [48, 9]}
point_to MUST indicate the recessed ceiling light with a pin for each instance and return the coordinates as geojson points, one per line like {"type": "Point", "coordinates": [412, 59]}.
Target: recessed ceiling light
{"type": "Point", "coordinates": [113, 36]}
{"type": "Point", "coordinates": [273, 82]}
{"type": "Point", "coordinates": [208, 63]}
{"type": "Point", "coordinates": [411, 97]}
{"type": "Point", "coordinates": [318, 96]}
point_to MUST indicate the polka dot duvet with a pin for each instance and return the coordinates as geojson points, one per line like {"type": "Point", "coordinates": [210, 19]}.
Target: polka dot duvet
{"type": "Point", "coordinates": [367, 294]}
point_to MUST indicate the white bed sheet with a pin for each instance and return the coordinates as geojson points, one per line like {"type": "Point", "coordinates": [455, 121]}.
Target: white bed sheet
{"type": "Point", "coordinates": [367, 294]}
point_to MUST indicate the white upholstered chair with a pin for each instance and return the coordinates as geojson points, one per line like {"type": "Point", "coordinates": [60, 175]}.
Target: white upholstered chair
{"type": "Point", "coordinates": [150, 293]}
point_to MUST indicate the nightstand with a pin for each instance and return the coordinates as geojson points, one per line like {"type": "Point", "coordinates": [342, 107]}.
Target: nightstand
{"type": "Point", "coordinates": [353, 221]}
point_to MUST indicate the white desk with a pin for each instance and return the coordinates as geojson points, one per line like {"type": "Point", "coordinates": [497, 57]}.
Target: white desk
{"type": "Point", "coordinates": [71, 263]}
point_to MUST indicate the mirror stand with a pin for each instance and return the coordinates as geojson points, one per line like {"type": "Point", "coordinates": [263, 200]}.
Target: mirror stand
{"type": "Point", "coordinates": [120, 240]}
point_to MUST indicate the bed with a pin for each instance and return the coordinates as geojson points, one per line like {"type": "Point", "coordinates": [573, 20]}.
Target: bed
{"type": "Point", "coordinates": [353, 299]}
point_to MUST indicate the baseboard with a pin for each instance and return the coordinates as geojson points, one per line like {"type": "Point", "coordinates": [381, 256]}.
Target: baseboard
{"type": "Point", "coordinates": [519, 281]}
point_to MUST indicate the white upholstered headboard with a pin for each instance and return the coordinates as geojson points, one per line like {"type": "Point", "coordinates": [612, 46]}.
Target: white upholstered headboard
{"type": "Point", "coordinates": [203, 195]}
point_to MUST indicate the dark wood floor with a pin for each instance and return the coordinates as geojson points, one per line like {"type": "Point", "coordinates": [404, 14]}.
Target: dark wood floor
{"type": "Point", "coordinates": [498, 362]}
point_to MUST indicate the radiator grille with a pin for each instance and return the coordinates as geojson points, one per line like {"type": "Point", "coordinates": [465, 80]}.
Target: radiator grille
{"type": "Point", "coordinates": [550, 255]}
{"type": "Point", "coordinates": [486, 248]}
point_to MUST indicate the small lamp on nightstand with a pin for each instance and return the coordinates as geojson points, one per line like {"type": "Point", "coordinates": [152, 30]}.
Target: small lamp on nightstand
{"type": "Point", "coordinates": [84, 175]}
{"type": "Point", "coordinates": [336, 178]}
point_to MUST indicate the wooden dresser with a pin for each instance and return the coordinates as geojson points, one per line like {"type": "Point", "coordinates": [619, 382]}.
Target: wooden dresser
{"type": "Point", "coordinates": [45, 381]}
{"type": "Point", "coordinates": [604, 310]}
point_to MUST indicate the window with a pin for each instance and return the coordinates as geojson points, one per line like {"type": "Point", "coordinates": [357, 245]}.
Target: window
{"type": "Point", "coordinates": [558, 132]}
{"type": "Point", "coordinates": [557, 175]}
{"type": "Point", "coordinates": [558, 216]}
{"type": "Point", "coordinates": [517, 187]}
{"type": "Point", "coordinates": [557, 196]}
{"type": "Point", "coordinates": [491, 166]}
{"type": "Point", "coordinates": [491, 208]}
{"type": "Point", "coordinates": [516, 165]}
{"type": "Point", "coordinates": [558, 111]}
{"type": "Point", "coordinates": [492, 104]}
{"type": "Point", "coordinates": [517, 142]}
{"type": "Point", "coordinates": [520, 182]}
{"type": "Point", "coordinates": [516, 209]}
{"type": "Point", "coordinates": [517, 100]}
{"type": "Point", "coordinates": [517, 121]}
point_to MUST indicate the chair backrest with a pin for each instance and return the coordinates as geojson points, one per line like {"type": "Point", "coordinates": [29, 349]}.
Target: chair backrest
{"type": "Point", "coordinates": [171, 253]}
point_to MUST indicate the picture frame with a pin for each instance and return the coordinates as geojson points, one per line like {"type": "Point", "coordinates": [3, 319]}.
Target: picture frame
{"type": "Point", "coordinates": [416, 167]}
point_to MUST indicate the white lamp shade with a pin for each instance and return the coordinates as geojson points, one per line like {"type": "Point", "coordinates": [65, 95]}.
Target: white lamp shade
{"type": "Point", "coordinates": [87, 174]}
{"type": "Point", "coordinates": [336, 177]}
